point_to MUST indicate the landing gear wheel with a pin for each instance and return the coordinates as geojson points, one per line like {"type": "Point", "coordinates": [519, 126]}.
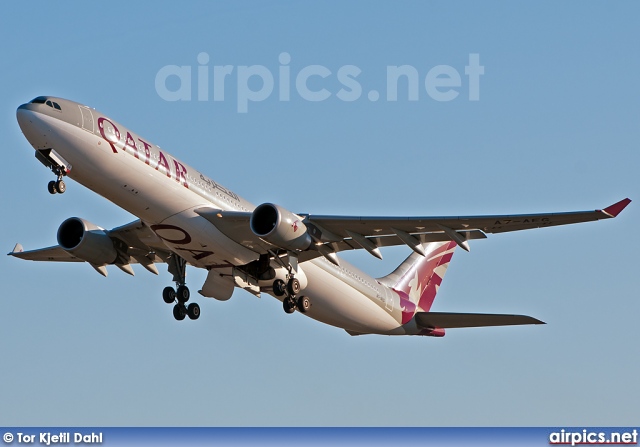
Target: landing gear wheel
{"type": "Point", "coordinates": [60, 186]}
{"type": "Point", "coordinates": [179, 312]}
{"type": "Point", "coordinates": [289, 305]}
{"type": "Point", "coordinates": [293, 287]}
{"type": "Point", "coordinates": [304, 304]}
{"type": "Point", "coordinates": [183, 294]}
{"type": "Point", "coordinates": [169, 295]}
{"type": "Point", "coordinates": [279, 287]}
{"type": "Point", "coordinates": [52, 187]}
{"type": "Point", "coordinates": [193, 311]}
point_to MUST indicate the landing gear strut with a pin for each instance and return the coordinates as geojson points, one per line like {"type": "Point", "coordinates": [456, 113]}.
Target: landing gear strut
{"type": "Point", "coordinates": [178, 267]}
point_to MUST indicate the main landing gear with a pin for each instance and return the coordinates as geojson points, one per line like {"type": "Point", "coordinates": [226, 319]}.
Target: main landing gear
{"type": "Point", "coordinates": [181, 294]}
{"type": "Point", "coordinates": [289, 290]}
{"type": "Point", "coordinates": [180, 309]}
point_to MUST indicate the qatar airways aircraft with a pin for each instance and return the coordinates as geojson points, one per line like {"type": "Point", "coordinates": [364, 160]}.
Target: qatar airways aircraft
{"type": "Point", "coordinates": [186, 218]}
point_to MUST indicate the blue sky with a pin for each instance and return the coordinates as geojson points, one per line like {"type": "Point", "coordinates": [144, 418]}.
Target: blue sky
{"type": "Point", "coordinates": [555, 129]}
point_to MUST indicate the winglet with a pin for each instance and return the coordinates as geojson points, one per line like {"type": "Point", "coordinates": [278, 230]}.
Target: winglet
{"type": "Point", "coordinates": [17, 249]}
{"type": "Point", "coordinates": [616, 208]}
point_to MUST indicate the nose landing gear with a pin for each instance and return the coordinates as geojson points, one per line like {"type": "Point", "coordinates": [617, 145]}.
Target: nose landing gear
{"type": "Point", "coordinates": [58, 165]}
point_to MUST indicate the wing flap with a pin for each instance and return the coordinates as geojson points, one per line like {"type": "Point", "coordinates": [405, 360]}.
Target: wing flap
{"type": "Point", "coordinates": [447, 320]}
{"type": "Point", "coordinates": [391, 240]}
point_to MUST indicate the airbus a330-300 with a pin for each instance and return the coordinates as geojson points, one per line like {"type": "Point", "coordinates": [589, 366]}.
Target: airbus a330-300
{"type": "Point", "coordinates": [186, 218]}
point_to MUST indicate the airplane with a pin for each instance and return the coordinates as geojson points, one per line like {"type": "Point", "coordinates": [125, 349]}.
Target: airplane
{"type": "Point", "coordinates": [186, 218]}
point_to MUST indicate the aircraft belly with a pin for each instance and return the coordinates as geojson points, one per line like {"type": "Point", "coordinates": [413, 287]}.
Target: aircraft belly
{"type": "Point", "coordinates": [336, 303]}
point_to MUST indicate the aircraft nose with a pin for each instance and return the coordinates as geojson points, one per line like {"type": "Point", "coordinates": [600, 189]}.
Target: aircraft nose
{"type": "Point", "coordinates": [23, 114]}
{"type": "Point", "coordinates": [31, 126]}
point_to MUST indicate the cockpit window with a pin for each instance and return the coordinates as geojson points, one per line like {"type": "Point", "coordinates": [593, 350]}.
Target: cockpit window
{"type": "Point", "coordinates": [51, 104]}
{"type": "Point", "coordinates": [45, 100]}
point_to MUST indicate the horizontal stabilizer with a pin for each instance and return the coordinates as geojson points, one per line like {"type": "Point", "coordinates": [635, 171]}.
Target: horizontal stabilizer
{"type": "Point", "coordinates": [446, 320]}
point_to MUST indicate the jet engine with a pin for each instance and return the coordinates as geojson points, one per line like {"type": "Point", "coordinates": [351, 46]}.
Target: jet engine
{"type": "Point", "coordinates": [280, 227]}
{"type": "Point", "coordinates": [86, 241]}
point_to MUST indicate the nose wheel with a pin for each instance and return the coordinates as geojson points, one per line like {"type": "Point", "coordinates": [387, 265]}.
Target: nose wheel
{"type": "Point", "coordinates": [57, 187]}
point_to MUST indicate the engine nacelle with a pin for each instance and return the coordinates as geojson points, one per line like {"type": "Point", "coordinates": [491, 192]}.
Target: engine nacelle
{"type": "Point", "coordinates": [280, 227]}
{"type": "Point", "coordinates": [86, 241]}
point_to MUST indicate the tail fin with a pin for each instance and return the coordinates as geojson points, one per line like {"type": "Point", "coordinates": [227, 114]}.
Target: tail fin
{"type": "Point", "coordinates": [419, 277]}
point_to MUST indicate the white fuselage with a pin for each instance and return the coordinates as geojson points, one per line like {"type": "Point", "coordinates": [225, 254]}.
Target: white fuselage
{"type": "Point", "coordinates": [163, 192]}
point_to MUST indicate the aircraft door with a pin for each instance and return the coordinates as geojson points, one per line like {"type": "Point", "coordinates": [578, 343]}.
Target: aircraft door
{"type": "Point", "coordinates": [87, 118]}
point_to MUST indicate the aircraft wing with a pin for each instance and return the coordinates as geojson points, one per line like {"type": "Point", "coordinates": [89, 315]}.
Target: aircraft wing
{"type": "Point", "coordinates": [53, 254]}
{"type": "Point", "coordinates": [338, 233]}
{"type": "Point", "coordinates": [135, 242]}
{"type": "Point", "coordinates": [372, 226]}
